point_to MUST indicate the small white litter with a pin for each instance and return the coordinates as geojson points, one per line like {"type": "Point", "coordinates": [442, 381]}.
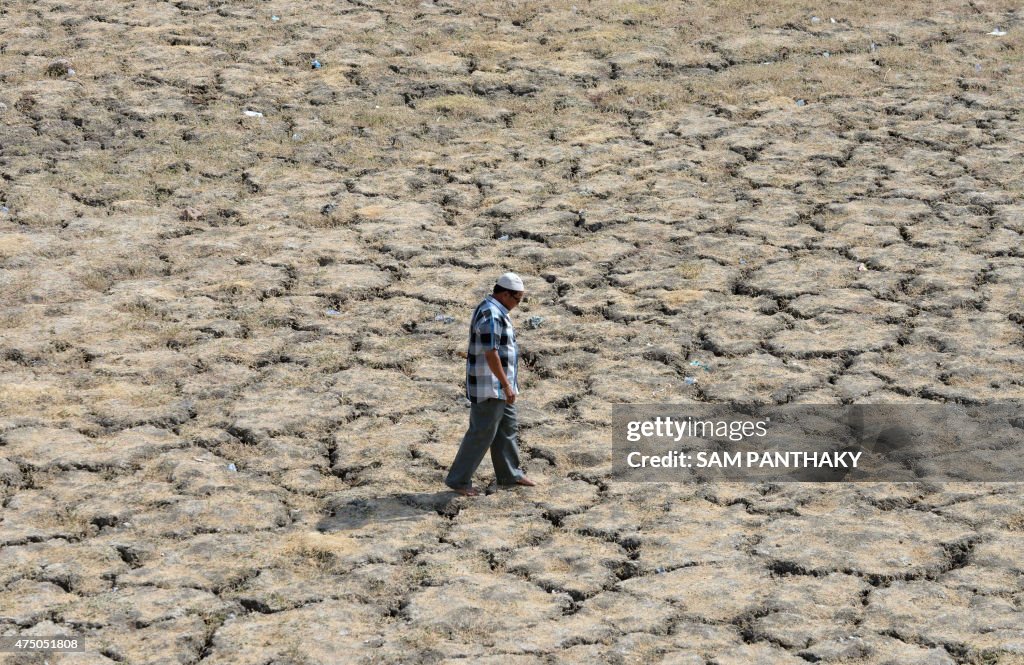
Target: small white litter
{"type": "Point", "coordinates": [862, 268]}
{"type": "Point", "coordinates": [252, 114]}
{"type": "Point", "coordinates": [997, 32]}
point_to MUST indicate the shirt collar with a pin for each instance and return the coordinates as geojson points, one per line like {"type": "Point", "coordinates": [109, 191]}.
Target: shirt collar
{"type": "Point", "coordinates": [500, 306]}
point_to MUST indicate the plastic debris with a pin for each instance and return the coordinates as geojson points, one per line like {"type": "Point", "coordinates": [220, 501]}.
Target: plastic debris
{"type": "Point", "coordinates": [832, 20]}
{"type": "Point", "coordinates": [252, 114]}
{"type": "Point", "coordinates": [296, 136]}
{"type": "Point", "coordinates": [862, 268]}
{"type": "Point", "coordinates": [660, 570]}
{"type": "Point", "coordinates": [71, 72]}
{"type": "Point", "coordinates": [444, 318]}
{"type": "Point", "coordinates": [801, 102]}
{"type": "Point", "coordinates": [700, 363]}
{"type": "Point", "coordinates": [873, 47]}
{"type": "Point", "coordinates": [815, 19]}
{"type": "Point", "coordinates": [997, 32]}
{"type": "Point", "coordinates": [232, 467]}
{"type": "Point", "coordinates": [332, 312]}
{"type": "Point", "coordinates": [977, 67]}
{"type": "Point", "coordinates": [316, 64]}
{"type": "Point", "coordinates": [743, 262]}
{"type": "Point", "coordinates": [275, 18]}
{"type": "Point", "coordinates": [4, 210]}
{"type": "Point", "coordinates": [534, 322]}
{"type": "Point", "coordinates": [504, 237]}
{"type": "Point", "coordinates": [826, 54]}
{"type": "Point", "coordinates": [690, 380]}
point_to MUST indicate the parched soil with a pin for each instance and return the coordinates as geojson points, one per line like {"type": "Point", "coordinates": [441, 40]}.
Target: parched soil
{"type": "Point", "coordinates": [234, 291]}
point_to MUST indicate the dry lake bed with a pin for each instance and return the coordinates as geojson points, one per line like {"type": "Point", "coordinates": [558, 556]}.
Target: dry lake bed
{"type": "Point", "coordinates": [240, 242]}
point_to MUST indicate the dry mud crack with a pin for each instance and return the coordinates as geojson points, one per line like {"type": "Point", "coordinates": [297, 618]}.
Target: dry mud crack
{"type": "Point", "coordinates": [229, 392]}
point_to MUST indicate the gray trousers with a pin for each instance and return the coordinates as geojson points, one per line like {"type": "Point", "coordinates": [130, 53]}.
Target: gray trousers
{"type": "Point", "coordinates": [492, 425]}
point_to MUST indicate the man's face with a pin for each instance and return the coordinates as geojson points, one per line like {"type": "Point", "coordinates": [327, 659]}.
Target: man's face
{"type": "Point", "coordinates": [510, 299]}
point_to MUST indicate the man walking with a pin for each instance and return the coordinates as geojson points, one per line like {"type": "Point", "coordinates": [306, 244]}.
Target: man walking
{"type": "Point", "coordinates": [492, 364]}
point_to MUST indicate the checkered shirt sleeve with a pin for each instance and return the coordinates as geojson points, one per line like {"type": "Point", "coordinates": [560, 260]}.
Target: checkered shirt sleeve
{"type": "Point", "coordinates": [490, 329]}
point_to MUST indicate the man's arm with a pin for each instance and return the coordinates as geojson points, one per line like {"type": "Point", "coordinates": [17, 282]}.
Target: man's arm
{"type": "Point", "coordinates": [494, 362]}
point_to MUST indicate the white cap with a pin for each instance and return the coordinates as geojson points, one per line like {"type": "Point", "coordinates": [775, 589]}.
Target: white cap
{"type": "Point", "coordinates": [511, 281]}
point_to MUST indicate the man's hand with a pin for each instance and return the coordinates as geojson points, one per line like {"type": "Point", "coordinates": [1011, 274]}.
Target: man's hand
{"type": "Point", "coordinates": [494, 362]}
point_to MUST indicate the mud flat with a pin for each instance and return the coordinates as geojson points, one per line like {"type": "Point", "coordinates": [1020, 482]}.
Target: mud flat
{"type": "Point", "coordinates": [228, 392]}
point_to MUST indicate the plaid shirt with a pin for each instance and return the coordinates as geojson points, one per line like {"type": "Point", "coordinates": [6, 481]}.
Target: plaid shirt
{"type": "Point", "coordinates": [490, 328]}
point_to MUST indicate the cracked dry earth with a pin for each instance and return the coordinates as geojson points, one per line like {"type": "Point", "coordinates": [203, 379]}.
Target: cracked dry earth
{"type": "Point", "coordinates": [822, 204]}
